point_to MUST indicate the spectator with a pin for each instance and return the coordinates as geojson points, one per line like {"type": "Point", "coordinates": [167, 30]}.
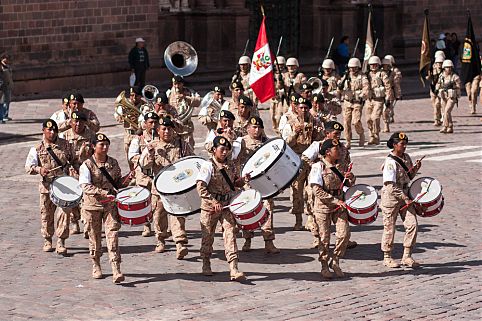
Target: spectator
{"type": "Point", "coordinates": [440, 45]}
{"type": "Point", "coordinates": [342, 55]}
{"type": "Point", "coordinates": [456, 49]}
{"type": "Point", "coordinates": [139, 62]}
{"type": "Point", "coordinates": [7, 86]}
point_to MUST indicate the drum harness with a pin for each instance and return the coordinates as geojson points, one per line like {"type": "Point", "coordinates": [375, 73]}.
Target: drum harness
{"type": "Point", "coordinates": [56, 160]}
{"type": "Point", "coordinates": [224, 197]}
{"type": "Point", "coordinates": [106, 174]}
{"type": "Point", "coordinates": [401, 163]}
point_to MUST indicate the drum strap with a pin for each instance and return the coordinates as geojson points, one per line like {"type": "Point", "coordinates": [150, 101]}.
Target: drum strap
{"type": "Point", "coordinates": [400, 162]}
{"type": "Point", "coordinates": [105, 173]}
{"type": "Point", "coordinates": [56, 159]}
{"type": "Point", "coordinates": [226, 177]}
{"type": "Point", "coordinates": [339, 174]}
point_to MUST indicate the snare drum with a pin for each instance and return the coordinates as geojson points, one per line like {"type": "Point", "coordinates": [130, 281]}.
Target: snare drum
{"type": "Point", "coordinates": [273, 167]}
{"type": "Point", "coordinates": [134, 205]}
{"type": "Point", "coordinates": [361, 209]}
{"type": "Point", "coordinates": [432, 201]}
{"type": "Point", "coordinates": [65, 192]}
{"type": "Point", "coordinates": [248, 210]}
{"type": "Point", "coordinates": [177, 186]}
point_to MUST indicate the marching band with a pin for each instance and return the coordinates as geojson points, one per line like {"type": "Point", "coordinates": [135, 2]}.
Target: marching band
{"type": "Point", "coordinates": [236, 186]}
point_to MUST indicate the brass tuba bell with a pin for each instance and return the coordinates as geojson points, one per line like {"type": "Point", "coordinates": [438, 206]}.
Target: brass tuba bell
{"type": "Point", "coordinates": [316, 84]}
{"type": "Point", "coordinates": [181, 58]}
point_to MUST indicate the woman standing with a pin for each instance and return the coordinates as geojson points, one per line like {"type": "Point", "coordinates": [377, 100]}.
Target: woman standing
{"type": "Point", "coordinates": [448, 87]}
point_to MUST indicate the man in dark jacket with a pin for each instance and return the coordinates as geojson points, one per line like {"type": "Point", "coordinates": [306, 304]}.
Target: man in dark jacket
{"type": "Point", "coordinates": [139, 62]}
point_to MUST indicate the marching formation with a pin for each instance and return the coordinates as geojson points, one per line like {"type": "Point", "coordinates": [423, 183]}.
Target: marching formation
{"type": "Point", "coordinates": [234, 189]}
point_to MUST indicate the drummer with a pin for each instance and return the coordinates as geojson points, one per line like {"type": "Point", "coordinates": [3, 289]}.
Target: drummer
{"type": "Point", "coordinates": [216, 185]}
{"type": "Point", "coordinates": [138, 144]}
{"type": "Point", "coordinates": [51, 158]}
{"type": "Point", "coordinates": [249, 143]}
{"type": "Point", "coordinates": [326, 177]}
{"type": "Point", "coordinates": [79, 136]}
{"type": "Point", "coordinates": [100, 178]}
{"type": "Point", "coordinates": [156, 156]}
{"type": "Point", "coordinates": [397, 173]}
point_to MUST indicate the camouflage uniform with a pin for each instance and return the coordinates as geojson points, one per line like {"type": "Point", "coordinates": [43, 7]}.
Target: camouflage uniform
{"type": "Point", "coordinates": [380, 91]}
{"type": "Point", "coordinates": [129, 130]}
{"type": "Point", "coordinates": [183, 101]}
{"type": "Point", "coordinates": [448, 87]}
{"type": "Point", "coordinates": [472, 89]}
{"type": "Point", "coordinates": [38, 157]}
{"type": "Point", "coordinates": [395, 77]}
{"type": "Point", "coordinates": [295, 80]}
{"type": "Point", "coordinates": [92, 123]}
{"type": "Point", "coordinates": [278, 103]}
{"type": "Point", "coordinates": [434, 98]}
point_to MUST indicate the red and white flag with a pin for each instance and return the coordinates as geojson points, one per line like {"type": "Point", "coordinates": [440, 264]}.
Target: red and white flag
{"type": "Point", "coordinates": [261, 78]}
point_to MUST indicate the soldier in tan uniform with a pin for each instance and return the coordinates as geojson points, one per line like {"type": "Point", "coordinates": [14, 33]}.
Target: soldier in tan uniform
{"type": "Point", "coordinates": [249, 143]}
{"type": "Point", "coordinates": [100, 178]}
{"type": "Point", "coordinates": [216, 185]}
{"type": "Point", "coordinates": [144, 176]}
{"type": "Point", "coordinates": [448, 88]}
{"type": "Point", "coordinates": [51, 158]}
{"type": "Point", "coordinates": [354, 87]}
{"type": "Point", "coordinates": [300, 131]}
{"type": "Point", "coordinates": [395, 76]}
{"type": "Point", "coordinates": [242, 75]}
{"type": "Point", "coordinates": [77, 103]}
{"type": "Point", "coordinates": [62, 116]}
{"type": "Point", "coordinates": [330, 76]}
{"type": "Point", "coordinates": [245, 111]}
{"type": "Point", "coordinates": [183, 100]}
{"type": "Point", "coordinates": [237, 89]}
{"type": "Point", "coordinates": [279, 101]}
{"type": "Point", "coordinates": [158, 155]}
{"type": "Point", "coordinates": [225, 128]}
{"type": "Point", "coordinates": [397, 173]}
{"type": "Point", "coordinates": [209, 115]}
{"type": "Point", "coordinates": [325, 178]}
{"type": "Point", "coordinates": [380, 91]}
{"type": "Point", "coordinates": [293, 78]}
{"type": "Point", "coordinates": [162, 108]}
{"type": "Point", "coordinates": [293, 102]}
{"type": "Point", "coordinates": [80, 138]}
{"type": "Point", "coordinates": [433, 77]}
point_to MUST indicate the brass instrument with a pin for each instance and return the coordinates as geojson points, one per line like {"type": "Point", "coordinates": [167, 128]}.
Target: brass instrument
{"type": "Point", "coordinates": [207, 101]}
{"type": "Point", "coordinates": [130, 113]}
{"type": "Point", "coordinates": [149, 93]}
{"type": "Point", "coordinates": [181, 58]}
{"type": "Point", "coordinates": [315, 82]}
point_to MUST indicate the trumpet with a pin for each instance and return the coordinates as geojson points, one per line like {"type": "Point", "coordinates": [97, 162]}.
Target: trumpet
{"type": "Point", "coordinates": [129, 113]}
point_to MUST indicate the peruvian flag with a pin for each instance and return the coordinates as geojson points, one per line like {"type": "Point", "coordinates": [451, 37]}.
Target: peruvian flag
{"type": "Point", "coordinates": [261, 78]}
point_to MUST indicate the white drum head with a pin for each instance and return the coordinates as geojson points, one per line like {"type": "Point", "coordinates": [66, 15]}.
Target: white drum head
{"type": "Point", "coordinates": [367, 200]}
{"type": "Point", "coordinates": [66, 188]}
{"type": "Point", "coordinates": [133, 195]}
{"type": "Point", "coordinates": [264, 156]}
{"type": "Point", "coordinates": [180, 176]}
{"type": "Point", "coordinates": [245, 202]}
{"type": "Point", "coordinates": [425, 184]}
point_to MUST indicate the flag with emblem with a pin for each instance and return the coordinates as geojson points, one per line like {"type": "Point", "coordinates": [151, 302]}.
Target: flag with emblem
{"type": "Point", "coordinates": [261, 78]}
{"type": "Point", "coordinates": [424, 66]}
{"type": "Point", "coordinates": [369, 46]}
{"type": "Point", "coordinates": [470, 55]}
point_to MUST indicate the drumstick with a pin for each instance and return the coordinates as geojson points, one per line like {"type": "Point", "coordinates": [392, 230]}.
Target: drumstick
{"type": "Point", "coordinates": [239, 203]}
{"type": "Point", "coordinates": [411, 168]}
{"type": "Point", "coordinates": [352, 200]}
{"type": "Point", "coordinates": [348, 171]}
{"type": "Point", "coordinates": [418, 197]}
{"type": "Point", "coordinates": [127, 176]}
{"type": "Point", "coordinates": [55, 168]}
{"type": "Point", "coordinates": [129, 196]}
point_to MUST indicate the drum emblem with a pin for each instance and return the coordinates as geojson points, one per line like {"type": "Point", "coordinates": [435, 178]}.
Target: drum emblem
{"type": "Point", "coordinates": [183, 175]}
{"type": "Point", "coordinates": [262, 159]}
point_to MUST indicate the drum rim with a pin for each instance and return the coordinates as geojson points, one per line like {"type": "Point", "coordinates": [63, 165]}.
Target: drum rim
{"type": "Point", "coordinates": [185, 214]}
{"type": "Point", "coordinates": [368, 207]}
{"type": "Point", "coordinates": [128, 187]}
{"type": "Point", "coordinates": [285, 186]}
{"type": "Point", "coordinates": [51, 188]}
{"type": "Point", "coordinates": [275, 160]}
{"type": "Point", "coordinates": [162, 170]}
{"type": "Point", "coordinates": [421, 178]}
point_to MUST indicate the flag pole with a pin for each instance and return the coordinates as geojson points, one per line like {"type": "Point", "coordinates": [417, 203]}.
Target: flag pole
{"type": "Point", "coordinates": [262, 8]}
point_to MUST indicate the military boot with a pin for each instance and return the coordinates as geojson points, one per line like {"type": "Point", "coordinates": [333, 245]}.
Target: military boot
{"type": "Point", "coordinates": [450, 130]}
{"type": "Point", "coordinates": [270, 248]}
{"type": "Point", "coordinates": [75, 228]}
{"type": "Point", "coordinates": [443, 130]}
{"type": "Point", "coordinates": [407, 259]}
{"type": "Point", "coordinates": [386, 128]}
{"type": "Point", "coordinates": [160, 246]}
{"type": "Point", "coordinates": [60, 247]}
{"type": "Point", "coordinates": [388, 261]}
{"type": "Point", "coordinates": [234, 273]}
{"type": "Point", "coordinates": [361, 141]}
{"type": "Point", "coordinates": [207, 267]}
{"type": "Point", "coordinates": [336, 268]}
{"type": "Point", "coordinates": [299, 223]}
{"type": "Point", "coordinates": [247, 245]}
{"type": "Point", "coordinates": [351, 244]}
{"type": "Point", "coordinates": [117, 276]}
{"type": "Point", "coordinates": [181, 251]}
{"type": "Point", "coordinates": [48, 245]}
{"type": "Point", "coordinates": [96, 269]}
{"type": "Point", "coordinates": [147, 230]}
{"type": "Point", "coordinates": [325, 273]}
{"type": "Point", "coordinates": [348, 144]}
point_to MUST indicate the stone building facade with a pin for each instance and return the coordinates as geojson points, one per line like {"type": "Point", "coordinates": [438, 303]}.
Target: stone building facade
{"type": "Point", "coordinates": [58, 45]}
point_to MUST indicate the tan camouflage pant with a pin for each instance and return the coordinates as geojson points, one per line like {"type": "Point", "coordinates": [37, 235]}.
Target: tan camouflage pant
{"type": "Point", "coordinates": [267, 228]}
{"type": "Point", "coordinates": [352, 116]}
{"type": "Point", "coordinates": [94, 219]}
{"type": "Point", "coordinates": [374, 109]}
{"type": "Point", "coordinates": [161, 220]}
{"type": "Point", "coordinates": [311, 221]}
{"type": "Point", "coordinates": [297, 190]}
{"type": "Point", "coordinates": [437, 107]}
{"type": "Point", "coordinates": [188, 132]}
{"type": "Point", "coordinates": [47, 214]}
{"type": "Point", "coordinates": [472, 89]}
{"type": "Point", "coordinates": [127, 141]}
{"type": "Point", "coordinates": [324, 218]}
{"type": "Point", "coordinates": [447, 107]}
{"type": "Point", "coordinates": [208, 226]}
{"type": "Point", "coordinates": [390, 210]}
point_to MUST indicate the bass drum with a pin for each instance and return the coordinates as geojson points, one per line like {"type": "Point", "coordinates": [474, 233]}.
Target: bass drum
{"type": "Point", "coordinates": [65, 192]}
{"type": "Point", "coordinates": [273, 167]}
{"type": "Point", "coordinates": [177, 186]}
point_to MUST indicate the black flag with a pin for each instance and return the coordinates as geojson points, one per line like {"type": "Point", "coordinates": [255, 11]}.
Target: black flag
{"type": "Point", "coordinates": [470, 55]}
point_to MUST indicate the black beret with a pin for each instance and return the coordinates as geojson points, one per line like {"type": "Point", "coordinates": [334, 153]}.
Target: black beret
{"type": "Point", "coordinates": [237, 84]}
{"type": "Point", "coordinates": [306, 86]}
{"type": "Point", "coordinates": [333, 125]}
{"type": "Point", "coordinates": [294, 97]}
{"type": "Point", "coordinates": [318, 98]}
{"type": "Point", "coordinates": [65, 99]}
{"type": "Point", "coordinates": [77, 97]}
{"type": "Point", "coordinates": [166, 121]}
{"type": "Point", "coordinates": [78, 115]}
{"type": "Point", "coordinates": [50, 123]}
{"type": "Point", "coordinates": [178, 78]}
{"type": "Point", "coordinates": [136, 90]}
{"type": "Point", "coordinates": [327, 144]}
{"type": "Point", "coordinates": [396, 138]}
{"type": "Point", "coordinates": [151, 115]}
{"type": "Point", "coordinates": [218, 89]}
{"type": "Point", "coordinates": [245, 100]}
{"type": "Point", "coordinates": [324, 83]}
{"type": "Point", "coordinates": [226, 114]}
{"type": "Point", "coordinates": [161, 98]}
{"type": "Point", "coordinates": [99, 137]}
{"type": "Point", "coordinates": [304, 101]}
{"type": "Point", "coordinates": [221, 141]}
{"type": "Point", "coordinates": [256, 120]}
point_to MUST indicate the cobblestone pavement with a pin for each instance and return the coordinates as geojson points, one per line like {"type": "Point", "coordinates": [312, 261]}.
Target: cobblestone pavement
{"type": "Point", "coordinates": [287, 286]}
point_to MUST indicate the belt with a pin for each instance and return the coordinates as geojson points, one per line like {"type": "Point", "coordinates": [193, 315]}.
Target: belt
{"type": "Point", "coordinates": [130, 131]}
{"type": "Point", "coordinates": [335, 192]}
{"type": "Point", "coordinates": [354, 101]}
{"type": "Point", "coordinates": [147, 172]}
{"type": "Point", "coordinates": [222, 197]}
